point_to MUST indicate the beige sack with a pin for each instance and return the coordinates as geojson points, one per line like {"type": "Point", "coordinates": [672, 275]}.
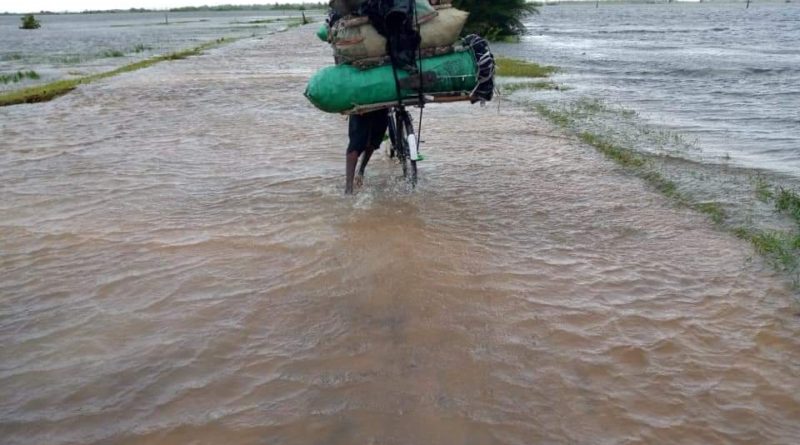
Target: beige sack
{"type": "Point", "coordinates": [355, 39]}
{"type": "Point", "coordinates": [356, 42]}
{"type": "Point", "coordinates": [444, 29]}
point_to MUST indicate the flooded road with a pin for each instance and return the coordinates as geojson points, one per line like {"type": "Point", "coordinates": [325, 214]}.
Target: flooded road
{"type": "Point", "coordinates": [179, 267]}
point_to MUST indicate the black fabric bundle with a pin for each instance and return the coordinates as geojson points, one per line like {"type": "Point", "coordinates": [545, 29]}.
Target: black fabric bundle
{"type": "Point", "coordinates": [393, 19]}
{"type": "Point", "coordinates": [484, 92]}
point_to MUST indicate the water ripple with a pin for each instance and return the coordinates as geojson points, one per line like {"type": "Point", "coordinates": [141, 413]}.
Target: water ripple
{"type": "Point", "coordinates": [188, 272]}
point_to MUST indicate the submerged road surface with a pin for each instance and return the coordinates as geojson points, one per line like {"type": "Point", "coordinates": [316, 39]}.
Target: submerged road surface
{"type": "Point", "coordinates": [178, 266]}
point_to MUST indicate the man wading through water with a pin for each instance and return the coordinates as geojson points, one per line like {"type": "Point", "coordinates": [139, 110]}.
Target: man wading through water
{"type": "Point", "coordinates": [393, 19]}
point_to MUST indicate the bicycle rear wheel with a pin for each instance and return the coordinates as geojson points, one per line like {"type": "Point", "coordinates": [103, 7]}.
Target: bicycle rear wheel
{"type": "Point", "coordinates": [405, 128]}
{"type": "Point", "coordinates": [393, 139]}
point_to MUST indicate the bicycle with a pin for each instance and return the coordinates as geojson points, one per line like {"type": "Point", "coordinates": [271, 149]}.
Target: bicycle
{"type": "Point", "coordinates": [403, 147]}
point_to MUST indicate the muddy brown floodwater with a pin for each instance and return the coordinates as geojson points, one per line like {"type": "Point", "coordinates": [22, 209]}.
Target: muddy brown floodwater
{"type": "Point", "coordinates": [179, 266]}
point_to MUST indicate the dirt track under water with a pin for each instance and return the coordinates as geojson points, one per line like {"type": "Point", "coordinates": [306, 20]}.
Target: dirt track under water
{"type": "Point", "coordinates": [179, 266]}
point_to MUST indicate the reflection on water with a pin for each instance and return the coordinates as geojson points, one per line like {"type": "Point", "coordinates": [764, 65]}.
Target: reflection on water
{"type": "Point", "coordinates": [179, 266]}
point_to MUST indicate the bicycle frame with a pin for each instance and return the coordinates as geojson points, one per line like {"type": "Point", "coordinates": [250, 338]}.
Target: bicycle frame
{"type": "Point", "coordinates": [400, 127]}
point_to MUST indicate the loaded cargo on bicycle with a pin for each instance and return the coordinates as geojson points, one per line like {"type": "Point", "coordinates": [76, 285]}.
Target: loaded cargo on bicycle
{"type": "Point", "coordinates": [371, 73]}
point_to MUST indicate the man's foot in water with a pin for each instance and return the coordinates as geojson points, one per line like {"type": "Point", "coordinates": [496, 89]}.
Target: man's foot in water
{"type": "Point", "coordinates": [359, 181]}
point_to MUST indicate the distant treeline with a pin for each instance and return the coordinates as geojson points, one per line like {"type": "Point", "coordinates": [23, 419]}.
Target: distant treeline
{"type": "Point", "coordinates": [259, 7]}
{"type": "Point", "coordinates": [324, 5]}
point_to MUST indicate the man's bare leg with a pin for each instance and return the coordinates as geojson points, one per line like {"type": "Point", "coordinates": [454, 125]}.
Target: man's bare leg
{"type": "Point", "coordinates": [359, 180]}
{"type": "Point", "coordinates": [350, 170]}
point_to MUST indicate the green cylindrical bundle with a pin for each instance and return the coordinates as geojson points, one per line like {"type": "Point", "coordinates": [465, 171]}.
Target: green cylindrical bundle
{"type": "Point", "coordinates": [336, 89]}
{"type": "Point", "coordinates": [322, 32]}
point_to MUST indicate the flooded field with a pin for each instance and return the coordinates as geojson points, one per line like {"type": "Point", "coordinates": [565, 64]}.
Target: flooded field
{"type": "Point", "coordinates": [72, 45]}
{"type": "Point", "coordinates": [705, 93]}
{"type": "Point", "coordinates": [179, 266]}
{"type": "Point", "coordinates": [723, 76]}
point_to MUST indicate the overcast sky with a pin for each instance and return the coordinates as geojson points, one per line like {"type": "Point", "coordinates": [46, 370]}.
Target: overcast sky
{"type": "Point", "coordinates": [82, 5]}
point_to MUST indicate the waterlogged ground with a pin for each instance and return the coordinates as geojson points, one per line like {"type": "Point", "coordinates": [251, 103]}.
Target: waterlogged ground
{"type": "Point", "coordinates": [73, 45]}
{"type": "Point", "coordinates": [705, 93]}
{"type": "Point", "coordinates": [722, 76]}
{"type": "Point", "coordinates": [179, 266]}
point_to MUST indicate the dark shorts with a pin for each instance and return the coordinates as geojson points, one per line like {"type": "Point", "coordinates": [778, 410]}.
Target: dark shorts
{"type": "Point", "coordinates": [367, 130]}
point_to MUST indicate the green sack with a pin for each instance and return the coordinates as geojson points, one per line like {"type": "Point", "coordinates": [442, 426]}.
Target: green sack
{"type": "Point", "coordinates": [322, 33]}
{"type": "Point", "coordinates": [339, 88]}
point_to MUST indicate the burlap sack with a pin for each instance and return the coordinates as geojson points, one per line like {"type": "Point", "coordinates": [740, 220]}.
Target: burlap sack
{"type": "Point", "coordinates": [444, 29]}
{"type": "Point", "coordinates": [355, 39]}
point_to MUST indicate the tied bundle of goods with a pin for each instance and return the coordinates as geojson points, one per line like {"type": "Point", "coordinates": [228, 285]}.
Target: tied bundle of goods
{"type": "Point", "coordinates": [451, 69]}
{"type": "Point", "coordinates": [466, 72]}
{"type": "Point", "coordinates": [354, 39]}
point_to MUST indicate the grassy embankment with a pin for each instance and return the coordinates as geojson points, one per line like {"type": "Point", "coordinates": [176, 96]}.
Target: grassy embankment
{"type": "Point", "coordinates": [781, 248]}
{"type": "Point", "coordinates": [44, 93]}
{"type": "Point", "coordinates": [18, 76]}
{"type": "Point", "coordinates": [507, 67]}
{"type": "Point", "coordinates": [291, 21]}
{"type": "Point", "coordinates": [306, 6]}
{"type": "Point", "coordinates": [633, 161]}
{"type": "Point", "coordinates": [71, 59]}
{"type": "Point", "coordinates": [138, 48]}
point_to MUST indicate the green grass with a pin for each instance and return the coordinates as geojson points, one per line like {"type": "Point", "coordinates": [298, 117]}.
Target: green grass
{"type": "Point", "coordinates": [633, 161]}
{"type": "Point", "coordinates": [562, 119]}
{"type": "Point", "coordinates": [140, 48]}
{"type": "Point", "coordinates": [112, 53]}
{"type": "Point", "coordinates": [68, 60]}
{"type": "Point", "coordinates": [714, 210]}
{"type": "Point", "coordinates": [762, 188]}
{"type": "Point", "coordinates": [162, 23]}
{"type": "Point", "coordinates": [12, 56]}
{"type": "Point", "coordinates": [256, 22]}
{"type": "Point", "coordinates": [640, 166]}
{"type": "Point", "coordinates": [18, 76]}
{"type": "Point", "coordinates": [592, 106]}
{"type": "Point", "coordinates": [781, 248]}
{"type": "Point", "coordinates": [580, 110]}
{"type": "Point", "coordinates": [292, 21]}
{"type": "Point", "coordinates": [788, 202]}
{"type": "Point", "coordinates": [509, 67]}
{"type": "Point", "coordinates": [541, 85]}
{"type": "Point", "coordinates": [296, 22]}
{"type": "Point", "coordinates": [662, 184]}
{"type": "Point", "coordinates": [622, 156]}
{"type": "Point", "coordinates": [41, 93]}
{"type": "Point", "coordinates": [505, 39]}
{"type": "Point", "coordinates": [50, 91]}
{"type": "Point", "coordinates": [71, 59]}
